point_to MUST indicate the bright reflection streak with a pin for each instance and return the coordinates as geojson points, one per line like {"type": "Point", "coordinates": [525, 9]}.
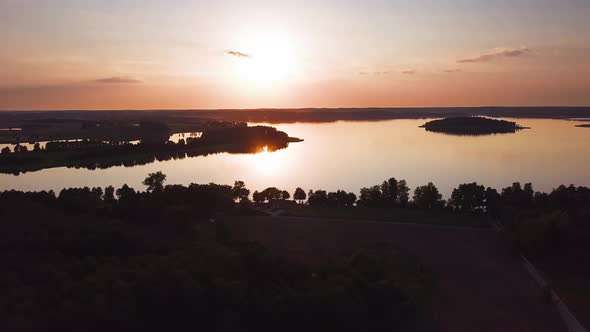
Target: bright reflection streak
{"type": "Point", "coordinates": [267, 163]}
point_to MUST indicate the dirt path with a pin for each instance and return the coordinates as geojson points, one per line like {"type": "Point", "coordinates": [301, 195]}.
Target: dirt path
{"type": "Point", "coordinates": [480, 286]}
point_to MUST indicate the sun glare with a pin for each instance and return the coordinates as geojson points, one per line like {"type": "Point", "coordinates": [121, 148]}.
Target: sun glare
{"type": "Point", "coordinates": [268, 163]}
{"type": "Point", "coordinates": [267, 59]}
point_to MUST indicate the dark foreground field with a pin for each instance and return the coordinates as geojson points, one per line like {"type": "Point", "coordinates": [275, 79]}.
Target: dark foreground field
{"type": "Point", "coordinates": [479, 285]}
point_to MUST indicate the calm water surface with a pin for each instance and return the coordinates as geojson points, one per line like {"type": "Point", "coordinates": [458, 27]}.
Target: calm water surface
{"type": "Point", "coordinates": [350, 155]}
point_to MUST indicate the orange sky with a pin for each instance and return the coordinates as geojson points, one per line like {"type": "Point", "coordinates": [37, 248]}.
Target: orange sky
{"type": "Point", "coordinates": [156, 54]}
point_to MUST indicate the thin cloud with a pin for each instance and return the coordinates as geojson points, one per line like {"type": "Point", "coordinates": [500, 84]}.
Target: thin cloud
{"type": "Point", "coordinates": [409, 72]}
{"type": "Point", "coordinates": [375, 73]}
{"type": "Point", "coordinates": [238, 54]}
{"type": "Point", "coordinates": [497, 54]}
{"type": "Point", "coordinates": [117, 80]}
{"type": "Point", "coordinates": [452, 70]}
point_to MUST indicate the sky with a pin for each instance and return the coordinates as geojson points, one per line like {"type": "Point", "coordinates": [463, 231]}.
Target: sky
{"type": "Point", "coordinates": [210, 54]}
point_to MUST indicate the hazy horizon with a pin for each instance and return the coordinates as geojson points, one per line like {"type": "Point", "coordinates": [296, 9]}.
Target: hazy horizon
{"type": "Point", "coordinates": [368, 108]}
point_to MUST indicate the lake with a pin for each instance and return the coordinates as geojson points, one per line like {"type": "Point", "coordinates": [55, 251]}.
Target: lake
{"type": "Point", "coordinates": [351, 155]}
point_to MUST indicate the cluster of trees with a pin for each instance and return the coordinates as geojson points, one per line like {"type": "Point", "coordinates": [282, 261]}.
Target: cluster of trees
{"type": "Point", "coordinates": [313, 198]}
{"type": "Point", "coordinates": [69, 263]}
{"type": "Point", "coordinates": [471, 125]}
{"type": "Point", "coordinates": [103, 154]}
{"type": "Point", "coordinates": [158, 202]}
{"type": "Point", "coordinates": [20, 149]}
{"type": "Point", "coordinates": [390, 193]}
{"type": "Point", "coordinates": [537, 220]}
{"type": "Point", "coordinates": [239, 136]}
{"type": "Point", "coordinates": [467, 197]}
{"type": "Point", "coordinates": [270, 194]}
{"type": "Point", "coordinates": [339, 198]}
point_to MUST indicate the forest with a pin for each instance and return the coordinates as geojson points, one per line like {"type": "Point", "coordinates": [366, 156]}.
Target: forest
{"type": "Point", "coordinates": [94, 258]}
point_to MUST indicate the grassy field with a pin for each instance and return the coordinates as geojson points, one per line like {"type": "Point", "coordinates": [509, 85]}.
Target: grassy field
{"type": "Point", "coordinates": [399, 215]}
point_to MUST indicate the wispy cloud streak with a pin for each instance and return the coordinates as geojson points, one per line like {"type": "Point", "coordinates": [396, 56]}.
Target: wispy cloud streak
{"type": "Point", "coordinates": [497, 53]}
{"type": "Point", "coordinates": [117, 80]}
{"type": "Point", "coordinates": [238, 54]}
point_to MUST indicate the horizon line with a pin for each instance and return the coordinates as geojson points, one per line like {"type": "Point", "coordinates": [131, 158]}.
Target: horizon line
{"type": "Point", "coordinates": [280, 108]}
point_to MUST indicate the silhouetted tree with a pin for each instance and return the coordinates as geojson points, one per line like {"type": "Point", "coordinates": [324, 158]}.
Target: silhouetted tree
{"type": "Point", "coordinates": [240, 192]}
{"type": "Point", "coordinates": [299, 195]}
{"type": "Point", "coordinates": [570, 199]}
{"type": "Point", "coordinates": [341, 198]}
{"type": "Point", "coordinates": [403, 193]}
{"type": "Point", "coordinates": [109, 194]}
{"type": "Point", "coordinates": [272, 193]}
{"type": "Point", "coordinates": [258, 197]}
{"type": "Point", "coordinates": [97, 192]}
{"type": "Point", "coordinates": [155, 181]}
{"type": "Point", "coordinates": [350, 199]}
{"type": "Point", "coordinates": [427, 196]}
{"type": "Point", "coordinates": [6, 150]}
{"type": "Point", "coordinates": [285, 195]}
{"type": "Point", "coordinates": [37, 147]}
{"type": "Point", "coordinates": [371, 196]}
{"type": "Point", "coordinates": [389, 190]}
{"type": "Point", "coordinates": [468, 197]}
{"type": "Point", "coordinates": [515, 195]}
{"type": "Point", "coordinates": [318, 198]}
{"type": "Point", "coordinates": [493, 201]}
{"type": "Point", "coordinates": [125, 193]}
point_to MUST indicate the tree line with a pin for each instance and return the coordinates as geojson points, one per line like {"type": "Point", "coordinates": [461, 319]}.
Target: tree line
{"type": "Point", "coordinates": [92, 153]}
{"type": "Point", "coordinates": [97, 259]}
{"type": "Point", "coordinates": [391, 193]}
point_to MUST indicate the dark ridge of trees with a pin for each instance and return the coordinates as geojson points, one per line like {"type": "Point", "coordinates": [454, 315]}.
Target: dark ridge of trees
{"type": "Point", "coordinates": [472, 126]}
{"type": "Point", "coordinates": [428, 197]}
{"type": "Point", "coordinates": [339, 198]}
{"type": "Point", "coordinates": [390, 193]}
{"type": "Point", "coordinates": [109, 255]}
{"type": "Point", "coordinates": [552, 227]}
{"type": "Point", "coordinates": [239, 192]}
{"type": "Point", "coordinates": [300, 196]}
{"type": "Point", "coordinates": [469, 197]}
{"type": "Point", "coordinates": [270, 194]}
{"type": "Point", "coordinates": [93, 154]}
{"type": "Point", "coordinates": [153, 261]}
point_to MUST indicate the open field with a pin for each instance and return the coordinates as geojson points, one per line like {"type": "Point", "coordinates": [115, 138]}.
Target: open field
{"type": "Point", "coordinates": [399, 215]}
{"type": "Point", "coordinates": [479, 285]}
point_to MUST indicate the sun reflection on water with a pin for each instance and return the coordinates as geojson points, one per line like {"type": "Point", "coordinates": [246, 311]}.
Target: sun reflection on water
{"type": "Point", "coordinates": [266, 162]}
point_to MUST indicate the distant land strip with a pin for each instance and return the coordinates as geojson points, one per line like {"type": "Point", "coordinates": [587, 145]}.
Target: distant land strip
{"type": "Point", "coordinates": [290, 115]}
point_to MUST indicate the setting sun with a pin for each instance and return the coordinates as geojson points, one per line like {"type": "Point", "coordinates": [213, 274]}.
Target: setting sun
{"type": "Point", "coordinates": [265, 59]}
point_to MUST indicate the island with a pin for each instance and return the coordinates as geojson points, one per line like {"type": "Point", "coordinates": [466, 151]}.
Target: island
{"type": "Point", "coordinates": [472, 126]}
{"type": "Point", "coordinates": [585, 125]}
{"type": "Point", "coordinates": [101, 153]}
